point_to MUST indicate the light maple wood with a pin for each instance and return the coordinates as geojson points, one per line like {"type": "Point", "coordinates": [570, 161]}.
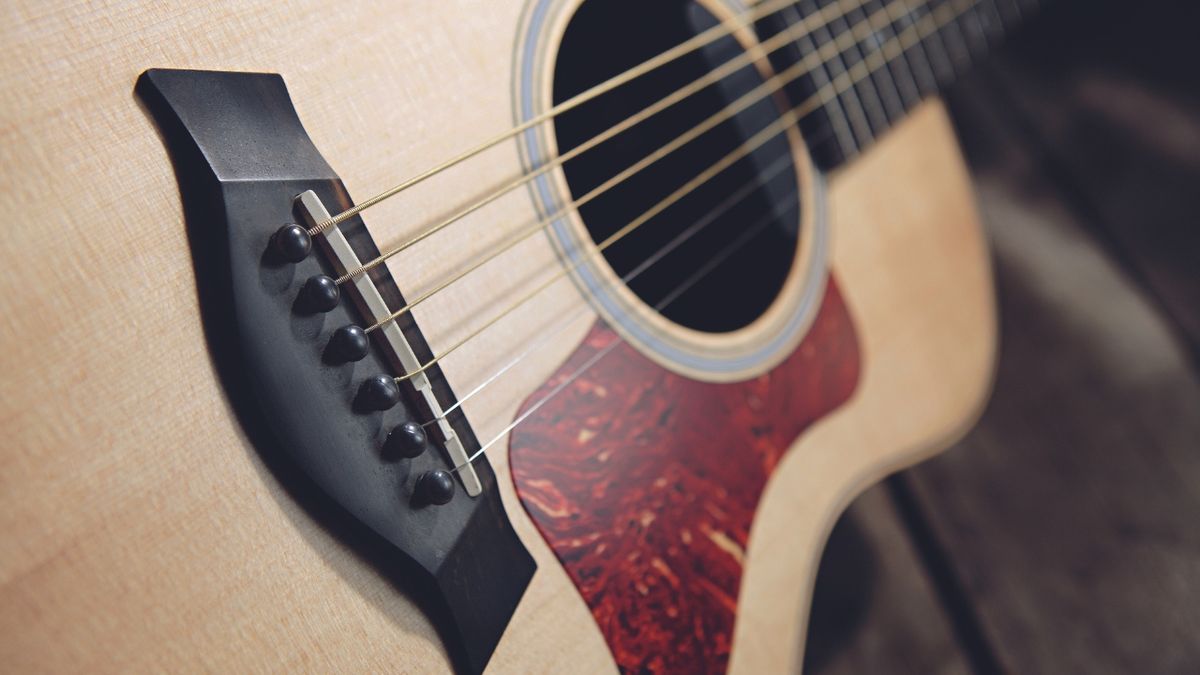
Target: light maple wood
{"type": "Point", "coordinates": [139, 531]}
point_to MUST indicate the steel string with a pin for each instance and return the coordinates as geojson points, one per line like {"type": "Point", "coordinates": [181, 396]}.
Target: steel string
{"type": "Point", "coordinates": [954, 9]}
{"type": "Point", "coordinates": [750, 98]}
{"type": "Point", "coordinates": [861, 70]}
{"type": "Point", "coordinates": [773, 44]}
{"type": "Point", "coordinates": [581, 310]}
{"type": "Point", "coordinates": [682, 49]}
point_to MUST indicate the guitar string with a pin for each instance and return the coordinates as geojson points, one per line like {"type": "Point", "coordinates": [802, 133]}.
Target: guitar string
{"type": "Point", "coordinates": [855, 106]}
{"type": "Point", "coordinates": [758, 227]}
{"type": "Point", "coordinates": [905, 81]}
{"type": "Point", "coordinates": [746, 58]}
{"type": "Point", "coordinates": [742, 103]}
{"type": "Point", "coordinates": [925, 70]}
{"type": "Point", "coordinates": [723, 29]}
{"type": "Point", "coordinates": [938, 24]}
{"type": "Point", "coordinates": [929, 82]}
{"type": "Point", "coordinates": [790, 117]}
{"type": "Point", "coordinates": [821, 77]}
{"type": "Point", "coordinates": [745, 149]}
{"type": "Point", "coordinates": [873, 103]}
{"type": "Point", "coordinates": [583, 309]}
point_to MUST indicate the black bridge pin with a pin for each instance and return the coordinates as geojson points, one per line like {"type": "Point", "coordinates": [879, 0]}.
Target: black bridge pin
{"type": "Point", "coordinates": [435, 487]}
{"type": "Point", "coordinates": [407, 440]}
{"type": "Point", "coordinates": [291, 243]}
{"type": "Point", "coordinates": [349, 343]}
{"type": "Point", "coordinates": [379, 392]}
{"type": "Point", "coordinates": [320, 293]}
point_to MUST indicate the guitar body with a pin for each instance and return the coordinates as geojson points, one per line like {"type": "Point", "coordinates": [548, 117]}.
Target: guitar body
{"type": "Point", "coordinates": [139, 528]}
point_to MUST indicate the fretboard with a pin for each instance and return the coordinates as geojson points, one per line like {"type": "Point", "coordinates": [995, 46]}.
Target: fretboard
{"type": "Point", "coordinates": [878, 59]}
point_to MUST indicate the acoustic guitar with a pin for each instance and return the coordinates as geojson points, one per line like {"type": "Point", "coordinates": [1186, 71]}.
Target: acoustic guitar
{"type": "Point", "coordinates": [507, 335]}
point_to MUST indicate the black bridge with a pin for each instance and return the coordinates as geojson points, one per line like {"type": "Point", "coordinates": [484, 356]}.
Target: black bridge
{"type": "Point", "coordinates": [323, 412]}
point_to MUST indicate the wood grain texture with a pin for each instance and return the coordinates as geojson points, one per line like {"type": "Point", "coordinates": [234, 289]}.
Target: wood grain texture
{"type": "Point", "coordinates": [139, 531]}
{"type": "Point", "coordinates": [645, 483]}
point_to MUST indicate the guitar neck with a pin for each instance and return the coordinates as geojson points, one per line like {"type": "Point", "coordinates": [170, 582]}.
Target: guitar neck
{"type": "Point", "coordinates": [880, 59]}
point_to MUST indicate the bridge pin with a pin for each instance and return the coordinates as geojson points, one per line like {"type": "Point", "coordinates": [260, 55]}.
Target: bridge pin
{"type": "Point", "coordinates": [436, 487]}
{"type": "Point", "coordinates": [349, 343]}
{"type": "Point", "coordinates": [379, 392]}
{"type": "Point", "coordinates": [406, 440]}
{"type": "Point", "coordinates": [291, 243]}
{"type": "Point", "coordinates": [320, 294]}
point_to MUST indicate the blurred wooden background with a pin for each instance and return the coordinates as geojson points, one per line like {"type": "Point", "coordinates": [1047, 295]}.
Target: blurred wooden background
{"type": "Point", "coordinates": [1063, 533]}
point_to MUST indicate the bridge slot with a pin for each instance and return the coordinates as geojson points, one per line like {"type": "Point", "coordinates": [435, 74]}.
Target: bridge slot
{"type": "Point", "coordinates": [344, 259]}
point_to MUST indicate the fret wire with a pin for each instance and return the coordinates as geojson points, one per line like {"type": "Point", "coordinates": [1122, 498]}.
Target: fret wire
{"type": "Point", "coordinates": [821, 77]}
{"type": "Point", "coordinates": [975, 33]}
{"type": "Point", "coordinates": [993, 24]}
{"type": "Point", "coordinates": [901, 69]}
{"type": "Point", "coordinates": [944, 67]}
{"type": "Point", "coordinates": [926, 73]}
{"type": "Point", "coordinates": [963, 59]}
{"type": "Point", "coordinates": [857, 111]}
{"type": "Point", "coordinates": [978, 31]}
{"type": "Point", "coordinates": [873, 104]}
{"type": "Point", "coordinates": [880, 81]}
{"type": "Point", "coordinates": [898, 71]}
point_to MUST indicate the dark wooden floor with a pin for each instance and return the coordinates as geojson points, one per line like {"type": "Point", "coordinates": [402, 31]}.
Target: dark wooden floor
{"type": "Point", "coordinates": [1062, 535]}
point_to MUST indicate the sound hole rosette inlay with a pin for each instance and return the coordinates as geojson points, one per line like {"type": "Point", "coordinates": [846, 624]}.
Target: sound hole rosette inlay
{"type": "Point", "coordinates": [733, 355]}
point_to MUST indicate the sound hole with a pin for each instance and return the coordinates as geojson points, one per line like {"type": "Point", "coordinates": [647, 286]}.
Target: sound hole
{"type": "Point", "coordinates": [726, 273]}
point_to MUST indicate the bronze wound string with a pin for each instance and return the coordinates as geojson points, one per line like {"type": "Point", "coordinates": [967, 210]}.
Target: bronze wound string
{"type": "Point", "coordinates": [861, 70]}
{"type": "Point", "coordinates": [934, 21]}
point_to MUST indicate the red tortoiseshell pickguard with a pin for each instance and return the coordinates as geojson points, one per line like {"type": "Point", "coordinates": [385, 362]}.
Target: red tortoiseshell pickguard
{"type": "Point", "coordinates": [644, 483]}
